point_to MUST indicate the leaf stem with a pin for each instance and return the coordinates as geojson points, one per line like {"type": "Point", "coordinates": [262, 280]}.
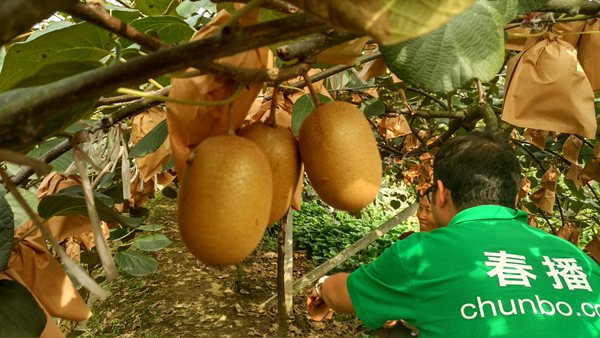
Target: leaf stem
{"type": "Point", "coordinates": [273, 110]}
{"type": "Point", "coordinates": [311, 89]}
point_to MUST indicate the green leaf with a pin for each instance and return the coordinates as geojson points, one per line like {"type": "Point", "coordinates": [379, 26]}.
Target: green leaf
{"type": "Point", "coordinates": [124, 14]}
{"type": "Point", "coordinates": [387, 21]}
{"type": "Point", "coordinates": [153, 7]}
{"type": "Point", "coordinates": [58, 50]}
{"type": "Point", "coordinates": [2, 55]}
{"type": "Point", "coordinates": [470, 46]}
{"type": "Point", "coordinates": [135, 263]}
{"type": "Point", "coordinates": [509, 9]}
{"type": "Point", "coordinates": [70, 201]}
{"type": "Point", "coordinates": [302, 108]}
{"type": "Point", "coordinates": [526, 6]}
{"type": "Point", "coordinates": [20, 314]}
{"type": "Point", "coordinates": [150, 227]}
{"type": "Point", "coordinates": [169, 29]}
{"type": "Point", "coordinates": [7, 229]}
{"type": "Point", "coordinates": [19, 213]}
{"type": "Point", "coordinates": [153, 242]}
{"type": "Point", "coordinates": [188, 8]}
{"type": "Point", "coordinates": [53, 26]}
{"type": "Point", "coordinates": [374, 107]}
{"type": "Point", "coordinates": [151, 141]}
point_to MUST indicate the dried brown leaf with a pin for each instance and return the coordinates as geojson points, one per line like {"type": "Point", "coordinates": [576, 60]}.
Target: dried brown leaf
{"type": "Point", "coordinates": [345, 53]}
{"type": "Point", "coordinates": [536, 137]}
{"type": "Point", "coordinates": [574, 174]}
{"type": "Point", "coordinates": [593, 248]}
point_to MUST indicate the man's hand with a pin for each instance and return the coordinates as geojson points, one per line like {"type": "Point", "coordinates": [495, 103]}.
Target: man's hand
{"type": "Point", "coordinates": [317, 308]}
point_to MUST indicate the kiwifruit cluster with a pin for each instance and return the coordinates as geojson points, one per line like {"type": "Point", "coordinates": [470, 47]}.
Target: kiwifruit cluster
{"type": "Point", "coordinates": [235, 186]}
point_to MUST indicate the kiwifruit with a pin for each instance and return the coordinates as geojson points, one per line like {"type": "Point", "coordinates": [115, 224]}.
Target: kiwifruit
{"type": "Point", "coordinates": [340, 156]}
{"type": "Point", "coordinates": [281, 148]}
{"type": "Point", "coordinates": [224, 199]}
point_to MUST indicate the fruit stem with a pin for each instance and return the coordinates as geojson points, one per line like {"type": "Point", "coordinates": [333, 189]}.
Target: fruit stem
{"type": "Point", "coordinates": [273, 111]}
{"type": "Point", "coordinates": [311, 88]}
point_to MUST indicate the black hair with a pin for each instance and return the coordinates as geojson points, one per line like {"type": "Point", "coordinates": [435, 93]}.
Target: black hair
{"type": "Point", "coordinates": [478, 168]}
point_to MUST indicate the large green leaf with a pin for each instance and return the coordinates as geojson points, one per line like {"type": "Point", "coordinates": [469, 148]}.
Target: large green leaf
{"type": "Point", "coordinates": [153, 242]}
{"type": "Point", "coordinates": [59, 50]}
{"type": "Point", "coordinates": [169, 29]}
{"type": "Point", "coordinates": [124, 14]}
{"type": "Point", "coordinates": [302, 108]}
{"type": "Point", "coordinates": [70, 201]}
{"type": "Point", "coordinates": [151, 141]}
{"type": "Point", "coordinates": [387, 21]}
{"type": "Point", "coordinates": [135, 263]}
{"type": "Point", "coordinates": [188, 9]}
{"type": "Point", "coordinates": [470, 46]}
{"type": "Point", "coordinates": [19, 213]}
{"type": "Point", "coordinates": [153, 7]}
{"type": "Point", "coordinates": [7, 229]}
{"type": "Point", "coordinates": [20, 314]}
{"type": "Point", "coordinates": [526, 6]}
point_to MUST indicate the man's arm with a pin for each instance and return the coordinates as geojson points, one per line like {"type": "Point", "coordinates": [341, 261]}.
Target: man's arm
{"type": "Point", "coordinates": [334, 292]}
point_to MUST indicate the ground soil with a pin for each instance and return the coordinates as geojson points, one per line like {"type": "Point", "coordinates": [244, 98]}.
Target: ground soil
{"type": "Point", "coordinates": [186, 298]}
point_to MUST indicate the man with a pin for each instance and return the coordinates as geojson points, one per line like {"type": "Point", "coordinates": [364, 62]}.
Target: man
{"type": "Point", "coordinates": [486, 273]}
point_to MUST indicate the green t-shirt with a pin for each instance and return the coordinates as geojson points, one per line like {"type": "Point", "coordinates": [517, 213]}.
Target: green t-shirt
{"type": "Point", "coordinates": [487, 274]}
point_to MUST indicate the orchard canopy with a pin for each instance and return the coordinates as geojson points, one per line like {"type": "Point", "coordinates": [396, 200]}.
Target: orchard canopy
{"type": "Point", "coordinates": [101, 102]}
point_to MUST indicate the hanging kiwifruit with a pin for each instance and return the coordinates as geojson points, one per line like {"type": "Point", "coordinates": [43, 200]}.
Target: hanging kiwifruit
{"type": "Point", "coordinates": [340, 156]}
{"type": "Point", "coordinates": [224, 199]}
{"type": "Point", "coordinates": [281, 148]}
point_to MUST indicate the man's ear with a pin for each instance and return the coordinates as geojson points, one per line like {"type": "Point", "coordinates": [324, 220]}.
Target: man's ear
{"type": "Point", "coordinates": [443, 194]}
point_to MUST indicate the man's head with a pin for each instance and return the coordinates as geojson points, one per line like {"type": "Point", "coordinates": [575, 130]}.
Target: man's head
{"type": "Point", "coordinates": [474, 169]}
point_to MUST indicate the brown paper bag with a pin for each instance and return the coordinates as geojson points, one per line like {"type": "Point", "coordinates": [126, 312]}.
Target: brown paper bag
{"type": "Point", "coordinates": [394, 127]}
{"type": "Point", "coordinates": [141, 125]}
{"type": "Point", "coordinates": [519, 43]}
{"type": "Point", "coordinates": [570, 232]}
{"type": "Point", "coordinates": [571, 149]}
{"type": "Point", "coordinates": [547, 89]}
{"type": "Point", "coordinates": [567, 31]}
{"type": "Point", "coordinates": [574, 175]}
{"type": "Point", "coordinates": [589, 52]}
{"type": "Point", "coordinates": [190, 125]}
{"type": "Point", "coordinates": [536, 137]}
{"type": "Point", "coordinates": [592, 168]}
{"type": "Point", "coordinates": [37, 268]}
{"type": "Point", "coordinates": [345, 53]}
{"type": "Point", "coordinates": [545, 197]}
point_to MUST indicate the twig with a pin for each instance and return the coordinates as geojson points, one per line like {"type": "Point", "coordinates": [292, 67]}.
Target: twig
{"type": "Point", "coordinates": [273, 108]}
{"type": "Point", "coordinates": [216, 103]}
{"type": "Point", "coordinates": [252, 75]}
{"type": "Point", "coordinates": [96, 14]}
{"type": "Point", "coordinates": [588, 143]}
{"type": "Point", "coordinates": [311, 89]}
{"type": "Point", "coordinates": [426, 94]}
{"type": "Point", "coordinates": [547, 221]}
{"type": "Point", "coordinates": [276, 5]}
{"type": "Point", "coordinates": [579, 7]}
{"type": "Point", "coordinates": [313, 45]}
{"type": "Point", "coordinates": [124, 3]}
{"type": "Point", "coordinates": [539, 163]}
{"type": "Point", "coordinates": [104, 101]}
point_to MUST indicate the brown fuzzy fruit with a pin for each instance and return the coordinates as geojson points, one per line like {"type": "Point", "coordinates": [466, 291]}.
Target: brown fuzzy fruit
{"type": "Point", "coordinates": [340, 156]}
{"type": "Point", "coordinates": [281, 148]}
{"type": "Point", "coordinates": [224, 200]}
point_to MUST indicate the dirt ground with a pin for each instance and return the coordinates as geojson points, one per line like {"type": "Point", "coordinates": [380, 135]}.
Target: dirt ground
{"type": "Point", "coordinates": [186, 298]}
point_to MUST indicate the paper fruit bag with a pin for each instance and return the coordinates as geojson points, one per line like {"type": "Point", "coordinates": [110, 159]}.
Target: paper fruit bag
{"type": "Point", "coordinates": [589, 52]}
{"type": "Point", "coordinates": [547, 89]}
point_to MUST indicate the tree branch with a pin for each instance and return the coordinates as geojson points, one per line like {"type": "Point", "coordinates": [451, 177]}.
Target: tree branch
{"type": "Point", "coordinates": [27, 107]}
{"type": "Point", "coordinates": [314, 44]}
{"type": "Point", "coordinates": [572, 7]}
{"type": "Point", "coordinates": [248, 75]}
{"type": "Point", "coordinates": [96, 14]}
{"type": "Point", "coordinates": [131, 109]}
{"type": "Point", "coordinates": [17, 16]}
{"type": "Point", "coordinates": [276, 5]}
